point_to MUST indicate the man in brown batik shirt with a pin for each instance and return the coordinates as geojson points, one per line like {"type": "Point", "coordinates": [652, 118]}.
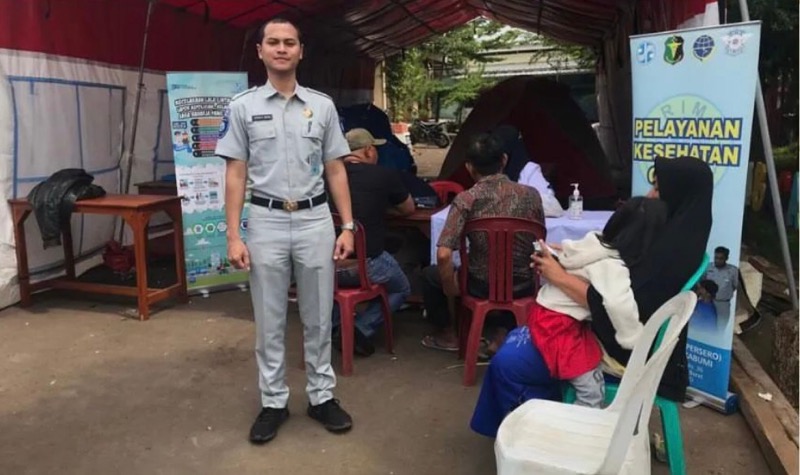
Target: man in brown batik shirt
{"type": "Point", "coordinates": [493, 195]}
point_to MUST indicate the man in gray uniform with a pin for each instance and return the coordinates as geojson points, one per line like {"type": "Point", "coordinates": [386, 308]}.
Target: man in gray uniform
{"type": "Point", "coordinates": [726, 277]}
{"type": "Point", "coordinates": [284, 136]}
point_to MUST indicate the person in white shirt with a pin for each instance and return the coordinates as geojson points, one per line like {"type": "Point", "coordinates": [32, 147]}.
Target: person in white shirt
{"type": "Point", "coordinates": [532, 176]}
{"type": "Point", "coordinates": [726, 276]}
{"type": "Point", "coordinates": [523, 170]}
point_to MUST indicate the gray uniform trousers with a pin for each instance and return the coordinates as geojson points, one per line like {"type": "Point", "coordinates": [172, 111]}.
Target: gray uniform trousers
{"type": "Point", "coordinates": [280, 242]}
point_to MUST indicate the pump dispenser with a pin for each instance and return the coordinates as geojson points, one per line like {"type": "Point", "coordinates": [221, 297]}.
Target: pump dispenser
{"type": "Point", "coordinates": [575, 203]}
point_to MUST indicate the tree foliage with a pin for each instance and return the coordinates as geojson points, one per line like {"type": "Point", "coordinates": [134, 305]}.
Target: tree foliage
{"type": "Point", "coordinates": [407, 83]}
{"type": "Point", "coordinates": [419, 79]}
{"type": "Point", "coordinates": [559, 55]}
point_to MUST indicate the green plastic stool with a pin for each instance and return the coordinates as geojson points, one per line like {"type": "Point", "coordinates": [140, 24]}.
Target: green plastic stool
{"type": "Point", "coordinates": [670, 419]}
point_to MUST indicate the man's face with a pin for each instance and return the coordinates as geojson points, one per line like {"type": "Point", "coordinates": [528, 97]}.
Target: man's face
{"type": "Point", "coordinates": [372, 154]}
{"type": "Point", "coordinates": [280, 50]}
{"type": "Point", "coordinates": [719, 259]}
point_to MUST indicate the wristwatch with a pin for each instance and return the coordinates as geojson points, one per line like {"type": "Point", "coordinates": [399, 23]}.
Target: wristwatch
{"type": "Point", "coordinates": [351, 226]}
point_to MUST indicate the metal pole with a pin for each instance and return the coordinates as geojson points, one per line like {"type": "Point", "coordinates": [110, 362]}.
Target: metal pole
{"type": "Point", "coordinates": [244, 49]}
{"type": "Point", "coordinates": [761, 110]}
{"type": "Point", "coordinates": [140, 86]}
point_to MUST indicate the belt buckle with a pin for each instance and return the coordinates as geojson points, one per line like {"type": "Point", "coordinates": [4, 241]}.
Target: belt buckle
{"type": "Point", "coordinates": [290, 206]}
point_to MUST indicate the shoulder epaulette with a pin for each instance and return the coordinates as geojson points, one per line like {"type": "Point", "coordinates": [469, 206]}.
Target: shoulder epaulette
{"type": "Point", "coordinates": [244, 93]}
{"type": "Point", "coordinates": [319, 93]}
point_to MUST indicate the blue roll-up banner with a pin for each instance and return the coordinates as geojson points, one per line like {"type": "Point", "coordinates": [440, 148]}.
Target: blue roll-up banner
{"type": "Point", "coordinates": [197, 102]}
{"type": "Point", "coordinates": [694, 94]}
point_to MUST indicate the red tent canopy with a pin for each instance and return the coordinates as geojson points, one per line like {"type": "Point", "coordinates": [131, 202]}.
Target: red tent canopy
{"type": "Point", "coordinates": [383, 27]}
{"type": "Point", "coordinates": [211, 34]}
{"type": "Point", "coordinates": [111, 31]}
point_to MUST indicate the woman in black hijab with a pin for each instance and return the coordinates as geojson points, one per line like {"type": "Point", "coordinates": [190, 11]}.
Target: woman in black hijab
{"type": "Point", "coordinates": [686, 184]}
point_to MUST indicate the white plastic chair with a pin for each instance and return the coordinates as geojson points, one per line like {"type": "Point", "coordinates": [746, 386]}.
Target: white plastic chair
{"type": "Point", "coordinates": [545, 437]}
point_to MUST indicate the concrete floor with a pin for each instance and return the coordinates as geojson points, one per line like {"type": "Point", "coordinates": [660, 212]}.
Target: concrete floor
{"type": "Point", "coordinates": [429, 159]}
{"type": "Point", "coordinates": [85, 390]}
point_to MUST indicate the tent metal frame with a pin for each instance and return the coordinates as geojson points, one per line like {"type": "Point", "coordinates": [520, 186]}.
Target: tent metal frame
{"type": "Point", "coordinates": [134, 126]}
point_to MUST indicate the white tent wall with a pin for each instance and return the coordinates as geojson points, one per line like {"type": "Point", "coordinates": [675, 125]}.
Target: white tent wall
{"type": "Point", "coordinates": [59, 112]}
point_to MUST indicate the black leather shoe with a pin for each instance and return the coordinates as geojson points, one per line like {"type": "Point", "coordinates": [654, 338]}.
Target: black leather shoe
{"type": "Point", "coordinates": [363, 345]}
{"type": "Point", "coordinates": [331, 415]}
{"type": "Point", "coordinates": [266, 425]}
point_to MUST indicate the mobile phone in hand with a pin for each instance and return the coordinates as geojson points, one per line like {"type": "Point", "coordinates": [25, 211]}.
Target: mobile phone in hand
{"type": "Point", "coordinates": [538, 249]}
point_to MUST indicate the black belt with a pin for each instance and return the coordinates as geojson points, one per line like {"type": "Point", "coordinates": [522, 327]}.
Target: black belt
{"type": "Point", "coordinates": [289, 205]}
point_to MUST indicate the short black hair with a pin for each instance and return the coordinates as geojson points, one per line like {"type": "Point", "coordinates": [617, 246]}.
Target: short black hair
{"type": "Point", "coordinates": [723, 250]}
{"type": "Point", "coordinates": [710, 286]}
{"type": "Point", "coordinates": [485, 154]}
{"type": "Point", "coordinates": [282, 20]}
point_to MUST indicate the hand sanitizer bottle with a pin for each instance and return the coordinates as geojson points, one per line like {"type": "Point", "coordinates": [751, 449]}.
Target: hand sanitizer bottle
{"type": "Point", "coordinates": [575, 203]}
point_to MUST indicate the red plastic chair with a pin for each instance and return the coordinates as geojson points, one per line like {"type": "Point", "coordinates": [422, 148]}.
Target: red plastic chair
{"type": "Point", "coordinates": [348, 298]}
{"type": "Point", "coordinates": [500, 233]}
{"type": "Point", "coordinates": [446, 190]}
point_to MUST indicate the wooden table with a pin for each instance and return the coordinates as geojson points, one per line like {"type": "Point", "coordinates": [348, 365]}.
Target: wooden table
{"type": "Point", "coordinates": [161, 245]}
{"type": "Point", "coordinates": [134, 210]}
{"type": "Point", "coordinates": [164, 188]}
{"type": "Point", "coordinates": [420, 219]}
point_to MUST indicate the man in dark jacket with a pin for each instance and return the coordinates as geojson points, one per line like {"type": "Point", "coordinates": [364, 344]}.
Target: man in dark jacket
{"type": "Point", "coordinates": [375, 191]}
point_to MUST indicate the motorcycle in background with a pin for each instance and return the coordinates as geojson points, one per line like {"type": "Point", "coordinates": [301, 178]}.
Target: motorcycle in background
{"type": "Point", "coordinates": [430, 132]}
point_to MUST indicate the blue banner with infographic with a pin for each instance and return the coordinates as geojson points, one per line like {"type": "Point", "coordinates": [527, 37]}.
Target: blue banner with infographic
{"type": "Point", "coordinates": [694, 95]}
{"type": "Point", "coordinates": [196, 105]}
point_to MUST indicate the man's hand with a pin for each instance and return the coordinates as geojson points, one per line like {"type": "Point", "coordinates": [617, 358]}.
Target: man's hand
{"type": "Point", "coordinates": [344, 246]}
{"type": "Point", "coordinates": [238, 255]}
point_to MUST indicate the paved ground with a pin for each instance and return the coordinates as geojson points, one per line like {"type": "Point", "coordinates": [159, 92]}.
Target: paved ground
{"type": "Point", "coordinates": [429, 159]}
{"type": "Point", "coordinates": [85, 391]}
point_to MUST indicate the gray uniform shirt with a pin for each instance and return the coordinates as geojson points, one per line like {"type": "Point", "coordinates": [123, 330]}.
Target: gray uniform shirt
{"type": "Point", "coordinates": [284, 141]}
{"type": "Point", "coordinates": [726, 279]}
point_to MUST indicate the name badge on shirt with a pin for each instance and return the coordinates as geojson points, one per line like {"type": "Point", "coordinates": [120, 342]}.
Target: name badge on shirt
{"type": "Point", "coordinates": [258, 118]}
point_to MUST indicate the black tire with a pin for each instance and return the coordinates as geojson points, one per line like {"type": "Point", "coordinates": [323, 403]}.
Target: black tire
{"type": "Point", "coordinates": [441, 140]}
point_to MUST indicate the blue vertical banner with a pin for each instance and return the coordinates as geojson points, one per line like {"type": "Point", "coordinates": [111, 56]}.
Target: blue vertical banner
{"type": "Point", "coordinates": [197, 102]}
{"type": "Point", "coordinates": [694, 95]}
